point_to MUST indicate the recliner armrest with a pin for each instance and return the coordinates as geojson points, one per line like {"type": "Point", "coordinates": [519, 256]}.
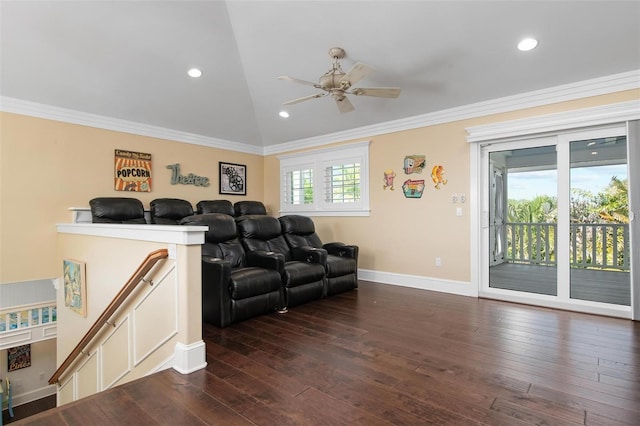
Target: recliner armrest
{"type": "Point", "coordinates": [310, 255]}
{"type": "Point", "coordinates": [217, 269]}
{"type": "Point", "coordinates": [342, 250]}
{"type": "Point", "coordinates": [266, 259]}
{"type": "Point", "coordinates": [216, 302]}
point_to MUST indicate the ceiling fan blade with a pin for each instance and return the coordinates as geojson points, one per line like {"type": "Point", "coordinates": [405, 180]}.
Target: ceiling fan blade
{"type": "Point", "coordinates": [306, 98]}
{"type": "Point", "coordinates": [297, 80]}
{"type": "Point", "coordinates": [380, 92]}
{"type": "Point", "coordinates": [344, 105]}
{"type": "Point", "coordinates": [357, 73]}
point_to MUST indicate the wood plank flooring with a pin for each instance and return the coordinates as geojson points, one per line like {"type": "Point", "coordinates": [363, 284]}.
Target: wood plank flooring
{"type": "Point", "coordinates": [29, 409]}
{"type": "Point", "coordinates": [388, 355]}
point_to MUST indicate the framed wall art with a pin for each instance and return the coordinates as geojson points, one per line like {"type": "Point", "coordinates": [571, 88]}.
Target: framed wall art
{"type": "Point", "coordinates": [75, 286]}
{"type": "Point", "coordinates": [132, 171]}
{"type": "Point", "coordinates": [233, 179]}
{"type": "Point", "coordinates": [18, 357]}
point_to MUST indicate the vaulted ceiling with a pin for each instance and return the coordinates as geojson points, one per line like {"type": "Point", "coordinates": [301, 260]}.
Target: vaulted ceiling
{"type": "Point", "coordinates": [129, 59]}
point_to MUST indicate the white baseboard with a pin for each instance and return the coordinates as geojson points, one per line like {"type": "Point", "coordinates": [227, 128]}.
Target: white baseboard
{"type": "Point", "coordinates": [190, 358]}
{"type": "Point", "coordinates": [462, 288]}
{"type": "Point", "coordinates": [164, 365]}
{"type": "Point", "coordinates": [34, 395]}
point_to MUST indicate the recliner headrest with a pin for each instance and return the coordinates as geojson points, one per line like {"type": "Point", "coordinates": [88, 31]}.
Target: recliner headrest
{"type": "Point", "coordinates": [260, 227]}
{"type": "Point", "coordinates": [244, 208]}
{"type": "Point", "coordinates": [117, 210]}
{"type": "Point", "coordinates": [169, 210]}
{"type": "Point", "coordinates": [222, 227]}
{"type": "Point", "coordinates": [297, 224]}
{"type": "Point", "coordinates": [215, 206]}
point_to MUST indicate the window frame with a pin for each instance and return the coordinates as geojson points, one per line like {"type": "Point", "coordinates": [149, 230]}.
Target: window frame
{"type": "Point", "coordinates": [318, 160]}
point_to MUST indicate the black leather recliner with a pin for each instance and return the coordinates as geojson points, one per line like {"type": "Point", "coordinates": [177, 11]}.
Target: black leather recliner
{"type": "Point", "coordinates": [342, 259]}
{"type": "Point", "coordinates": [215, 206]}
{"type": "Point", "coordinates": [303, 275]}
{"type": "Point", "coordinates": [233, 287]}
{"type": "Point", "coordinates": [117, 210]}
{"type": "Point", "coordinates": [169, 211]}
{"type": "Point", "coordinates": [244, 208]}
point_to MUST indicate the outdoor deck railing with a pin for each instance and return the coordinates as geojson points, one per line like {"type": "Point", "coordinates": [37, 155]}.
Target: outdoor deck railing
{"type": "Point", "coordinates": [592, 245]}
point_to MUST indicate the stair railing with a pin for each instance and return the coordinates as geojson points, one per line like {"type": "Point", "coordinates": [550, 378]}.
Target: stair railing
{"type": "Point", "coordinates": [137, 277]}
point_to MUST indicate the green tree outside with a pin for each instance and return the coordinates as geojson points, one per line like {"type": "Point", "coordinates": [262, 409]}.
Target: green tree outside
{"type": "Point", "coordinates": [607, 209]}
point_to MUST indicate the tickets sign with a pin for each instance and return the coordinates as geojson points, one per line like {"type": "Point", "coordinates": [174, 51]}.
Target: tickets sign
{"type": "Point", "coordinates": [132, 171]}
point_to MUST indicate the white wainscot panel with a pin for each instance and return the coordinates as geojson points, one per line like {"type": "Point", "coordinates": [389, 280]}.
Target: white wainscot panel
{"type": "Point", "coordinates": [115, 354]}
{"type": "Point", "coordinates": [65, 391]}
{"type": "Point", "coordinates": [160, 308]}
{"type": "Point", "coordinates": [87, 377]}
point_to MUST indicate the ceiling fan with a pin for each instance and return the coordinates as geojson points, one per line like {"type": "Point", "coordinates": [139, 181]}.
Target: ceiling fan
{"type": "Point", "coordinates": [338, 84]}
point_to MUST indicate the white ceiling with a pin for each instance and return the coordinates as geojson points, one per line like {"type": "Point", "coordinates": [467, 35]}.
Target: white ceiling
{"type": "Point", "coordinates": [128, 59]}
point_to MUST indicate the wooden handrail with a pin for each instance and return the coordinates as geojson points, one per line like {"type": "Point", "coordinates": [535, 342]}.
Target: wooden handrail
{"type": "Point", "coordinates": [136, 278]}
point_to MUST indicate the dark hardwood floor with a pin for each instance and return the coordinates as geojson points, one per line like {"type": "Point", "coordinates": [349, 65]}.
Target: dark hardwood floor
{"type": "Point", "coordinates": [29, 409]}
{"type": "Point", "coordinates": [392, 355]}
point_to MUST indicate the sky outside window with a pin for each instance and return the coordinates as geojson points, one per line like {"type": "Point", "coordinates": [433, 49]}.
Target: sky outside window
{"type": "Point", "coordinates": [528, 185]}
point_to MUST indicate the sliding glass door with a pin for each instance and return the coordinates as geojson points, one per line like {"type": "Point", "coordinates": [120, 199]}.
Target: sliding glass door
{"type": "Point", "coordinates": [523, 219]}
{"type": "Point", "coordinates": [599, 243]}
{"type": "Point", "coordinates": [557, 220]}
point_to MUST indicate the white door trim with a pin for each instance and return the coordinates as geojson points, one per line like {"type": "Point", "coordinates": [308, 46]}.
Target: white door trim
{"type": "Point", "coordinates": [607, 117]}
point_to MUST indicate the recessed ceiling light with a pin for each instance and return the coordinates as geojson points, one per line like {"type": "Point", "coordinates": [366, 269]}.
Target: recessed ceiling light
{"type": "Point", "coordinates": [194, 72]}
{"type": "Point", "coordinates": [283, 114]}
{"type": "Point", "coordinates": [527, 44]}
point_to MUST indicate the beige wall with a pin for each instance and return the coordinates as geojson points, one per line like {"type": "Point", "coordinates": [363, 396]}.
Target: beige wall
{"type": "Point", "coordinates": [48, 166]}
{"type": "Point", "coordinates": [402, 235]}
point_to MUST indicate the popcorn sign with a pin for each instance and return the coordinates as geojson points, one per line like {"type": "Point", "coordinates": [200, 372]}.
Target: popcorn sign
{"type": "Point", "coordinates": [132, 171]}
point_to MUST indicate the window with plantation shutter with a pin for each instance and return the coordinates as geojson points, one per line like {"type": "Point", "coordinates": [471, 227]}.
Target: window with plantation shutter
{"type": "Point", "coordinates": [342, 183]}
{"type": "Point", "coordinates": [326, 182]}
{"type": "Point", "coordinates": [298, 186]}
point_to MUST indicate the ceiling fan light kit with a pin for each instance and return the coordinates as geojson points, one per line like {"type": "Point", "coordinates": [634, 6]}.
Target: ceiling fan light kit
{"type": "Point", "coordinates": [337, 83]}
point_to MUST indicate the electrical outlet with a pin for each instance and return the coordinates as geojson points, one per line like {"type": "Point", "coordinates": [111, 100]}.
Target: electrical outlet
{"type": "Point", "coordinates": [438, 261]}
{"type": "Point", "coordinates": [463, 198]}
{"type": "Point", "coordinates": [454, 198]}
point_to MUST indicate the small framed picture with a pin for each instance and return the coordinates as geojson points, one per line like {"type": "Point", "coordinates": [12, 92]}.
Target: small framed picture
{"type": "Point", "coordinates": [233, 179]}
{"type": "Point", "coordinates": [75, 286]}
{"type": "Point", "coordinates": [18, 357]}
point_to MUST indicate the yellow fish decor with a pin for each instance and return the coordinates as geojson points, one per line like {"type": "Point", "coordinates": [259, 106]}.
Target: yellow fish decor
{"type": "Point", "coordinates": [414, 164]}
{"type": "Point", "coordinates": [389, 175]}
{"type": "Point", "coordinates": [436, 176]}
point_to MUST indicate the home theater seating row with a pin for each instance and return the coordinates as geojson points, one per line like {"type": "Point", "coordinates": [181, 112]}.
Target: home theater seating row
{"type": "Point", "coordinates": [252, 263]}
{"type": "Point", "coordinates": [165, 211]}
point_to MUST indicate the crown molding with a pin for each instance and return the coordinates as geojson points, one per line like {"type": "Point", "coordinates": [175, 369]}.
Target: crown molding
{"type": "Point", "coordinates": [593, 87]}
{"type": "Point", "coordinates": [567, 92]}
{"type": "Point", "coordinates": [49, 112]}
{"type": "Point", "coordinates": [558, 122]}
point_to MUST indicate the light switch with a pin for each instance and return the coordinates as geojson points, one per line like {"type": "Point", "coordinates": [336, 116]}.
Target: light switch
{"type": "Point", "coordinates": [459, 211]}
